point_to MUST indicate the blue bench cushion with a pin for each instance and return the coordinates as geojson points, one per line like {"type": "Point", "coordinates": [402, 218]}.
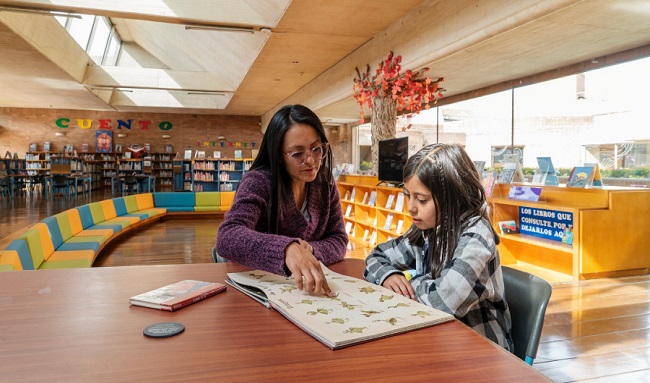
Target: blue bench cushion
{"type": "Point", "coordinates": [174, 200]}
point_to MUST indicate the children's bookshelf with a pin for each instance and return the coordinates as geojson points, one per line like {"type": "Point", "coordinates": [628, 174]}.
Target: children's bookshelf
{"type": "Point", "coordinates": [372, 222]}
{"type": "Point", "coordinates": [609, 232]}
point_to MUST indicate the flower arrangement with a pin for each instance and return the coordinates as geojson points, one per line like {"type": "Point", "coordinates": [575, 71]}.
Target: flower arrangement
{"type": "Point", "coordinates": [411, 90]}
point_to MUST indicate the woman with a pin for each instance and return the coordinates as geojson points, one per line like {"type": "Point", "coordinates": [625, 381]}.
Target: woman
{"type": "Point", "coordinates": [286, 216]}
{"type": "Point", "coordinates": [448, 259]}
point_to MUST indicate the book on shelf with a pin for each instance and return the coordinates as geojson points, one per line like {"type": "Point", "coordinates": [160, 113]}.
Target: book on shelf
{"type": "Point", "coordinates": [188, 154]}
{"type": "Point", "coordinates": [597, 181]}
{"type": "Point", "coordinates": [508, 227]}
{"type": "Point", "coordinates": [354, 194]}
{"type": "Point", "coordinates": [480, 166]}
{"type": "Point", "coordinates": [389, 201]}
{"type": "Point", "coordinates": [46, 146]}
{"type": "Point", "coordinates": [525, 193]}
{"type": "Point", "coordinates": [84, 148]}
{"type": "Point", "coordinates": [348, 227]}
{"type": "Point", "coordinates": [365, 235]}
{"type": "Point", "coordinates": [359, 312]}
{"type": "Point", "coordinates": [389, 221]}
{"type": "Point", "coordinates": [238, 154]}
{"type": "Point", "coordinates": [373, 238]}
{"type": "Point", "coordinates": [373, 197]}
{"type": "Point", "coordinates": [169, 149]}
{"type": "Point", "coordinates": [347, 196]}
{"type": "Point", "coordinates": [400, 224]}
{"type": "Point", "coordinates": [348, 211]}
{"type": "Point", "coordinates": [488, 181]}
{"type": "Point", "coordinates": [511, 170]}
{"type": "Point", "coordinates": [545, 174]}
{"type": "Point", "coordinates": [581, 176]}
{"type": "Point", "coordinates": [177, 295]}
{"type": "Point", "coordinates": [399, 204]}
{"type": "Point", "coordinates": [365, 198]}
{"type": "Point", "coordinates": [33, 147]}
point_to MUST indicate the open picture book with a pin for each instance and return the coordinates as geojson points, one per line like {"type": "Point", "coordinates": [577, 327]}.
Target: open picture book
{"type": "Point", "coordinates": [359, 312]}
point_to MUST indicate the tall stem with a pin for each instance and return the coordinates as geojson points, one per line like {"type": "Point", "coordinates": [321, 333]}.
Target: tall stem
{"type": "Point", "coordinates": [384, 124]}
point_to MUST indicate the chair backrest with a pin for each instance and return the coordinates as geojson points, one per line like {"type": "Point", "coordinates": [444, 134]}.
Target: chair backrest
{"type": "Point", "coordinates": [527, 296]}
{"type": "Point", "coordinates": [60, 180]}
{"type": "Point", "coordinates": [130, 180]}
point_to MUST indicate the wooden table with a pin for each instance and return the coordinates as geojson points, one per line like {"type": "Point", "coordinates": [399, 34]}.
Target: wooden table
{"type": "Point", "coordinates": [76, 325]}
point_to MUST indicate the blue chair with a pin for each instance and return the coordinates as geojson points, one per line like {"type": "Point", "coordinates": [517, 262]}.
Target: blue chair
{"type": "Point", "coordinates": [60, 182]}
{"type": "Point", "coordinates": [527, 296]}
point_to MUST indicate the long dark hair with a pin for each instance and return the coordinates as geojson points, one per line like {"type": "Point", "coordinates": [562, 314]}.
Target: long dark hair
{"type": "Point", "coordinates": [458, 196]}
{"type": "Point", "coordinates": [269, 157]}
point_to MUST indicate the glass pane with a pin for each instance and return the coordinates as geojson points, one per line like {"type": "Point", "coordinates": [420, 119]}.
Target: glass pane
{"type": "Point", "coordinates": [99, 40]}
{"type": "Point", "coordinates": [80, 29]}
{"type": "Point", "coordinates": [113, 50]}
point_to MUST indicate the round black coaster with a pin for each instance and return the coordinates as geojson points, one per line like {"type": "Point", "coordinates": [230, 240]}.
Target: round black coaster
{"type": "Point", "coordinates": [164, 329]}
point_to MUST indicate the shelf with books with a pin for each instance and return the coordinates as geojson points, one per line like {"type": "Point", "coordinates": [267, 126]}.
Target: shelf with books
{"type": "Point", "coordinates": [374, 220]}
{"type": "Point", "coordinates": [599, 245]}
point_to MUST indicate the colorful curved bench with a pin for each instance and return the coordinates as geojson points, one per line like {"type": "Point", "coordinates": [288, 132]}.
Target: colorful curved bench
{"type": "Point", "coordinates": [75, 237]}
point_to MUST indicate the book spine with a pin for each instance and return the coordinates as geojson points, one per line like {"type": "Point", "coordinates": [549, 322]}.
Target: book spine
{"type": "Point", "coordinates": [195, 299]}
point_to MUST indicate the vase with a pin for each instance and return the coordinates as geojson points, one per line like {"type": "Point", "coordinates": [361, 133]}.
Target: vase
{"type": "Point", "coordinates": [383, 124]}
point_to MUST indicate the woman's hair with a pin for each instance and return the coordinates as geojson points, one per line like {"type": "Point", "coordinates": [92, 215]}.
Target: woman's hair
{"type": "Point", "coordinates": [458, 196]}
{"type": "Point", "coordinates": [270, 155]}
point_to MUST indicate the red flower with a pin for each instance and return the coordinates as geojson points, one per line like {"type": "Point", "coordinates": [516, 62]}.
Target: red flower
{"type": "Point", "coordinates": [412, 90]}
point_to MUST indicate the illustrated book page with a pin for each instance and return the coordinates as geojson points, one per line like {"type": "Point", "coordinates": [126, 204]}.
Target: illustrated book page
{"type": "Point", "coordinates": [508, 227]}
{"type": "Point", "coordinates": [581, 176]}
{"type": "Point", "coordinates": [359, 312]}
{"type": "Point", "coordinates": [177, 295]}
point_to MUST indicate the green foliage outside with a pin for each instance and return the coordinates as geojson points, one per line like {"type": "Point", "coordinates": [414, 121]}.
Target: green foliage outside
{"type": "Point", "coordinates": [641, 172]}
{"type": "Point", "coordinates": [365, 165]}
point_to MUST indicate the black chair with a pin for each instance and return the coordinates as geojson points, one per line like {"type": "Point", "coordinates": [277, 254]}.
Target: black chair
{"type": "Point", "coordinates": [60, 182]}
{"type": "Point", "coordinates": [5, 186]}
{"type": "Point", "coordinates": [130, 185]}
{"type": "Point", "coordinates": [216, 258]}
{"type": "Point", "coordinates": [527, 296]}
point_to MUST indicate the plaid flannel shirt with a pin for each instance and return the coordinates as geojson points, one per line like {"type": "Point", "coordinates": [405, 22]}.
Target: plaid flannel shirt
{"type": "Point", "coordinates": [470, 286]}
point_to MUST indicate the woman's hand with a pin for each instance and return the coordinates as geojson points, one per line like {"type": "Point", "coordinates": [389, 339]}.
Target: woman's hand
{"type": "Point", "coordinates": [398, 283]}
{"type": "Point", "coordinates": [305, 268]}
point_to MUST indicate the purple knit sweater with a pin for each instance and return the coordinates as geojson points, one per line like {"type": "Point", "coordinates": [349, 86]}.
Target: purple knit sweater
{"type": "Point", "coordinates": [243, 238]}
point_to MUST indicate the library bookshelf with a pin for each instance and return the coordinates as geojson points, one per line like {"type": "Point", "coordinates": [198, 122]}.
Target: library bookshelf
{"type": "Point", "coordinates": [371, 212]}
{"type": "Point", "coordinates": [610, 230]}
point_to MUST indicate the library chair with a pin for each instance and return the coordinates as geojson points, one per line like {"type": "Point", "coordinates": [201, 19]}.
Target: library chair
{"type": "Point", "coordinates": [130, 185]}
{"type": "Point", "coordinates": [61, 183]}
{"type": "Point", "coordinates": [5, 186]}
{"type": "Point", "coordinates": [216, 258]}
{"type": "Point", "coordinates": [527, 296]}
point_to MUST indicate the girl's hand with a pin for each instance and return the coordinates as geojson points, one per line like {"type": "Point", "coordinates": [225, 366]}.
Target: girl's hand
{"type": "Point", "coordinates": [303, 265]}
{"type": "Point", "coordinates": [398, 283]}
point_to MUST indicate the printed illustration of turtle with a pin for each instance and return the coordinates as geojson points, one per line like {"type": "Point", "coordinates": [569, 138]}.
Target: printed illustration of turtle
{"type": "Point", "coordinates": [257, 276]}
{"type": "Point", "coordinates": [320, 311]}
{"type": "Point", "coordinates": [306, 302]}
{"type": "Point", "coordinates": [350, 280]}
{"type": "Point", "coordinates": [338, 320]}
{"type": "Point", "coordinates": [348, 306]}
{"type": "Point", "coordinates": [369, 313]}
{"type": "Point", "coordinates": [367, 290]}
{"type": "Point", "coordinates": [391, 321]}
{"type": "Point", "coordinates": [288, 288]}
{"type": "Point", "coordinates": [335, 297]}
{"type": "Point", "coordinates": [421, 314]}
{"type": "Point", "coordinates": [385, 298]}
{"type": "Point", "coordinates": [401, 304]}
{"type": "Point", "coordinates": [355, 330]}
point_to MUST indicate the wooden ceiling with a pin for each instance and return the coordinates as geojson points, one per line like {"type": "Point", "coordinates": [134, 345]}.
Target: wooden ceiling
{"type": "Point", "coordinates": [301, 51]}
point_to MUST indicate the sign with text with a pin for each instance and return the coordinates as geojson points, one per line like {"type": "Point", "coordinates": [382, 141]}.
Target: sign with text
{"type": "Point", "coordinates": [549, 224]}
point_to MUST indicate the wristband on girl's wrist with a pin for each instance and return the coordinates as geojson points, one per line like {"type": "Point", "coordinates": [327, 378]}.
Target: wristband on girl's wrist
{"type": "Point", "coordinates": [409, 274]}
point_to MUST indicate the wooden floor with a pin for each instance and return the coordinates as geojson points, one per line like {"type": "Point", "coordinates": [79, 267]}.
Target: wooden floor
{"type": "Point", "coordinates": [594, 331]}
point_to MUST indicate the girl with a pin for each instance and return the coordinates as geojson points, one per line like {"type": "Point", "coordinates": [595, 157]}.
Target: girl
{"type": "Point", "coordinates": [448, 259]}
{"type": "Point", "coordinates": [286, 216]}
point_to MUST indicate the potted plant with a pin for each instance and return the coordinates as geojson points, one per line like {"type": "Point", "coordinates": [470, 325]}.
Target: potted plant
{"type": "Point", "coordinates": [390, 91]}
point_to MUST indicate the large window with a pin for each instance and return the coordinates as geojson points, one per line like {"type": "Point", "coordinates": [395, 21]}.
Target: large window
{"type": "Point", "coordinates": [598, 116]}
{"type": "Point", "coordinates": [96, 35]}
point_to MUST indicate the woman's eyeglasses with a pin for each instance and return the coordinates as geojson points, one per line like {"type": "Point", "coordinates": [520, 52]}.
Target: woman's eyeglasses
{"type": "Point", "coordinates": [318, 153]}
